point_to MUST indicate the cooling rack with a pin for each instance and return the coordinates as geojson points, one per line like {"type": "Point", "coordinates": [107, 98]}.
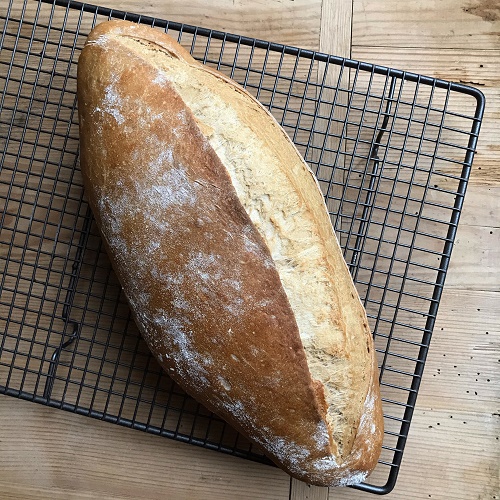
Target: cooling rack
{"type": "Point", "coordinates": [392, 152]}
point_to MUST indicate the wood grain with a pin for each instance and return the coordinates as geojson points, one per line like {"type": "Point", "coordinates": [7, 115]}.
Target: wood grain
{"type": "Point", "coordinates": [72, 456]}
{"type": "Point", "coordinates": [472, 67]}
{"type": "Point", "coordinates": [303, 491]}
{"type": "Point", "coordinates": [335, 39]}
{"type": "Point", "coordinates": [461, 372]}
{"type": "Point", "coordinates": [476, 478]}
{"type": "Point", "coordinates": [457, 24]}
{"type": "Point", "coordinates": [335, 27]}
{"type": "Point", "coordinates": [475, 257]}
{"type": "Point", "coordinates": [292, 22]}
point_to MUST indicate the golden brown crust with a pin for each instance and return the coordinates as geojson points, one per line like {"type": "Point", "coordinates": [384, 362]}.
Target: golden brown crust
{"type": "Point", "coordinates": [200, 279]}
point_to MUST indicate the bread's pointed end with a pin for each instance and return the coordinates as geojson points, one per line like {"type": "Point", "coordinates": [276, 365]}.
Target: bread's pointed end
{"type": "Point", "coordinates": [117, 27]}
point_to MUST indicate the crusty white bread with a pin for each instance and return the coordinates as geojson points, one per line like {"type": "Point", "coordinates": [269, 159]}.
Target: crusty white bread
{"type": "Point", "coordinates": [221, 240]}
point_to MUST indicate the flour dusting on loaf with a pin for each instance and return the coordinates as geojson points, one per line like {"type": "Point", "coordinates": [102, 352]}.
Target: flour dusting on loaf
{"type": "Point", "coordinates": [279, 211]}
{"type": "Point", "coordinates": [221, 240]}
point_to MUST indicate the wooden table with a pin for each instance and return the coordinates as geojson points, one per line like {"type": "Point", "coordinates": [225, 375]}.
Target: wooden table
{"type": "Point", "coordinates": [453, 448]}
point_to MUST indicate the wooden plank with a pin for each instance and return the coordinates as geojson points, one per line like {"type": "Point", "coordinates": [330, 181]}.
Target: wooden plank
{"type": "Point", "coordinates": [461, 371]}
{"type": "Point", "coordinates": [335, 39]}
{"type": "Point", "coordinates": [475, 254]}
{"type": "Point", "coordinates": [465, 448]}
{"type": "Point", "coordinates": [475, 258]}
{"type": "Point", "coordinates": [473, 263]}
{"type": "Point", "coordinates": [440, 462]}
{"type": "Point", "coordinates": [303, 491]}
{"type": "Point", "coordinates": [482, 206]}
{"type": "Point", "coordinates": [468, 468]}
{"type": "Point", "coordinates": [61, 455]}
{"type": "Point", "coordinates": [336, 24]}
{"type": "Point", "coordinates": [18, 492]}
{"type": "Point", "coordinates": [292, 22]}
{"type": "Point", "coordinates": [459, 24]}
{"type": "Point", "coordinates": [474, 67]}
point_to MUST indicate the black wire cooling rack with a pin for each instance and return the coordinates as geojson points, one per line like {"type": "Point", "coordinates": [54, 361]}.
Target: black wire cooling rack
{"type": "Point", "coordinates": [392, 152]}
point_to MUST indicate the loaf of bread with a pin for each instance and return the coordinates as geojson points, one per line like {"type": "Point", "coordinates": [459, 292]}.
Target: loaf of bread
{"type": "Point", "coordinates": [221, 240]}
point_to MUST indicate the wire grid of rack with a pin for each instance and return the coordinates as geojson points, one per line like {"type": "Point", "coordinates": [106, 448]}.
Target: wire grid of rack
{"type": "Point", "coordinates": [392, 152]}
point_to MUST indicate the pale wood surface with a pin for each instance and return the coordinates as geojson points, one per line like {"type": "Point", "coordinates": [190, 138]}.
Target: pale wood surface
{"type": "Point", "coordinates": [453, 448]}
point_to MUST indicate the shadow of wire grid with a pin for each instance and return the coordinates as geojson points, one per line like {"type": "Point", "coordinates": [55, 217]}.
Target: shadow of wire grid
{"type": "Point", "coordinates": [391, 151]}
